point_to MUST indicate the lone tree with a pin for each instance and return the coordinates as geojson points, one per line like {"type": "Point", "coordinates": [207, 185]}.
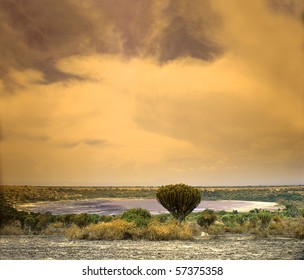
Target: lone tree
{"type": "Point", "coordinates": [179, 199]}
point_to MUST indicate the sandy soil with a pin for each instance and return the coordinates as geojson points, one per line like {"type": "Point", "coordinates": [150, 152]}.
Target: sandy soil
{"type": "Point", "coordinates": [232, 247]}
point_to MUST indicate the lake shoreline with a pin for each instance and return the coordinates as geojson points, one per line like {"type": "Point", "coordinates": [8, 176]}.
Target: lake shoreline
{"type": "Point", "coordinates": [114, 206]}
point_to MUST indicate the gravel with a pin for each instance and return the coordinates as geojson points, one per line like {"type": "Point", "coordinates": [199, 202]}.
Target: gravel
{"type": "Point", "coordinates": [234, 247]}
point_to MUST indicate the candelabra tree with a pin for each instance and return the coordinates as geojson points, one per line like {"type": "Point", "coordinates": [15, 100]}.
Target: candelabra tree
{"type": "Point", "coordinates": [179, 199]}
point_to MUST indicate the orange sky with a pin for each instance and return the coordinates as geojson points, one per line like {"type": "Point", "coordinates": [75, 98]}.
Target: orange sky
{"type": "Point", "coordinates": [152, 92]}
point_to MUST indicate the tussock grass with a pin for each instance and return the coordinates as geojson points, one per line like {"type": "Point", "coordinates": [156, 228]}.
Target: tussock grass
{"type": "Point", "coordinates": [13, 228]}
{"type": "Point", "coordinates": [168, 231]}
{"type": "Point", "coordinates": [115, 230]}
{"type": "Point", "coordinates": [57, 228]}
{"type": "Point", "coordinates": [121, 229]}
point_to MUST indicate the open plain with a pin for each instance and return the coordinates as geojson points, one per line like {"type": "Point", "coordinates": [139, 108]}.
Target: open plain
{"type": "Point", "coordinates": [230, 247]}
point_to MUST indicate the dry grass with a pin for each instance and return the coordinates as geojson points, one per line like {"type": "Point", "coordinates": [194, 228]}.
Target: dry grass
{"type": "Point", "coordinates": [168, 231]}
{"type": "Point", "coordinates": [57, 228]}
{"type": "Point", "coordinates": [120, 229]}
{"type": "Point", "coordinates": [216, 230]}
{"type": "Point", "coordinates": [13, 228]}
{"type": "Point", "coordinates": [115, 230]}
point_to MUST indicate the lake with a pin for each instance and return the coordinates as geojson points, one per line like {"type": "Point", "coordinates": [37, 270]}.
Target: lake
{"type": "Point", "coordinates": [116, 206]}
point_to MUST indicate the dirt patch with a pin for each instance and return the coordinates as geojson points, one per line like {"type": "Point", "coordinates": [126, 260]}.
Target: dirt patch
{"type": "Point", "coordinates": [232, 247]}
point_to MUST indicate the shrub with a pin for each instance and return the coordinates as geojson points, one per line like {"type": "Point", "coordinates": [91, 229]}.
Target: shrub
{"type": "Point", "coordinates": [140, 216]}
{"type": "Point", "coordinates": [121, 229]}
{"type": "Point", "coordinates": [67, 219]}
{"type": "Point", "coordinates": [29, 223]}
{"type": "Point", "coordinates": [265, 218]}
{"type": "Point", "coordinates": [168, 231]}
{"type": "Point", "coordinates": [277, 219]}
{"type": "Point", "coordinates": [82, 219]}
{"type": "Point", "coordinates": [299, 231]}
{"type": "Point", "coordinates": [241, 219]}
{"type": "Point", "coordinates": [162, 218]}
{"type": "Point", "coordinates": [277, 228]}
{"type": "Point", "coordinates": [291, 211]}
{"type": "Point", "coordinates": [180, 200]}
{"type": "Point", "coordinates": [206, 218]}
{"type": "Point", "coordinates": [115, 230]}
{"type": "Point", "coordinates": [56, 228]}
{"type": "Point", "coordinates": [228, 218]}
{"type": "Point", "coordinates": [75, 232]}
{"type": "Point", "coordinates": [43, 220]}
{"type": "Point", "coordinates": [253, 221]}
{"type": "Point", "coordinates": [14, 228]}
{"type": "Point", "coordinates": [215, 230]}
{"type": "Point", "coordinates": [106, 218]}
{"type": "Point", "coordinates": [222, 212]}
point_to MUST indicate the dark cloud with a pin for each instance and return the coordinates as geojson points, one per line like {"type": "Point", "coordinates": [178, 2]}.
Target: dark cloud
{"type": "Point", "coordinates": [89, 142]}
{"type": "Point", "coordinates": [36, 34]}
{"type": "Point", "coordinates": [95, 142]}
{"type": "Point", "coordinates": [290, 7]}
{"type": "Point", "coordinates": [133, 20]}
{"type": "Point", "coordinates": [177, 42]}
{"type": "Point", "coordinates": [10, 134]}
{"type": "Point", "coordinates": [190, 31]}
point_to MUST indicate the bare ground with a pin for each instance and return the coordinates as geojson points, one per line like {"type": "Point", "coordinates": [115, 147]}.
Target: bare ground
{"type": "Point", "coordinates": [233, 247]}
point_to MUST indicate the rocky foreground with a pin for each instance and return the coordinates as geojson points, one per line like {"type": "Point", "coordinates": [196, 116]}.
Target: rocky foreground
{"type": "Point", "coordinates": [232, 247]}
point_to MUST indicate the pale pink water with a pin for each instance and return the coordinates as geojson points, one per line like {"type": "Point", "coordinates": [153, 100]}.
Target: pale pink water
{"type": "Point", "coordinates": [116, 206]}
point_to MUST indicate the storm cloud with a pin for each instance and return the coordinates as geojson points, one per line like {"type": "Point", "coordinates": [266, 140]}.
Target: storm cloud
{"type": "Point", "coordinates": [36, 34]}
{"type": "Point", "coordinates": [151, 92]}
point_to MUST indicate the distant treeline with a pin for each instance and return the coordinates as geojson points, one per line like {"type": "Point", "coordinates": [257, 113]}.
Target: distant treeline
{"type": "Point", "coordinates": [25, 194]}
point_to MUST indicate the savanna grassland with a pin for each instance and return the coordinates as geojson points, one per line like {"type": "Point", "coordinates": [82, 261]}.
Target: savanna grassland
{"type": "Point", "coordinates": [25, 194]}
{"type": "Point", "coordinates": [139, 225]}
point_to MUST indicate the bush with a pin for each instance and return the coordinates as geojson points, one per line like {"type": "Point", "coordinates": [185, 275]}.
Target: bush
{"type": "Point", "coordinates": [121, 229]}
{"type": "Point", "coordinates": [106, 218]}
{"type": "Point", "coordinates": [67, 219]}
{"type": "Point", "coordinates": [56, 228]}
{"type": "Point", "coordinates": [253, 221]}
{"type": "Point", "coordinates": [228, 218]}
{"type": "Point", "coordinates": [265, 218]}
{"type": "Point", "coordinates": [162, 218]}
{"type": "Point", "coordinates": [75, 232]}
{"type": "Point", "coordinates": [82, 219]}
{"type": "Point", "coordinates": [180, 200]}
{"type": "Point", "coordinates": [299, 231]}
{"type": "Point", "coordinates": [140, 216]}
{"type": "Point", "coordinates": [13, 228]}
{"type": "Point", "coordinates": [206, 218]}
{"type": "Point", "coordinates": [116, 230]}
{"type": "Point", "coordinates": [215, 230]}
{"type": "Point", "coordinates": [168, 231]}
{"type": "Point", "coordinates": [29, 223]}
{"type": "Point", "coordinates": [291, 211]}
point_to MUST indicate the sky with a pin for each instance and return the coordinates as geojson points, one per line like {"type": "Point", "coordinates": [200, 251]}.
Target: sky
{"type": "Point", "coordinates": [152, 92]}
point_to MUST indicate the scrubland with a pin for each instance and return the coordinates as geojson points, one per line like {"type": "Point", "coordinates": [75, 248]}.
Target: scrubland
{"type": "Point", "coordinates": [256, 234]}
{"type": "Point", "coordinates": [138, 223]}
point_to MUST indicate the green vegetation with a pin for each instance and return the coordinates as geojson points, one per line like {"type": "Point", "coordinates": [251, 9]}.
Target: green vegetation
{"type": "Point", "coordinates": [206, 218]}
{"type": "Point", "coordinates": [139, 216]}
{"type": "Point", "coordinates": [140, 224]}
{"type": "Point", "coordinates": [180, 200]}
{"type": "Point", "coordinates": [281, 194]}
{"type": "Point", "coordinates": [25, 194]}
